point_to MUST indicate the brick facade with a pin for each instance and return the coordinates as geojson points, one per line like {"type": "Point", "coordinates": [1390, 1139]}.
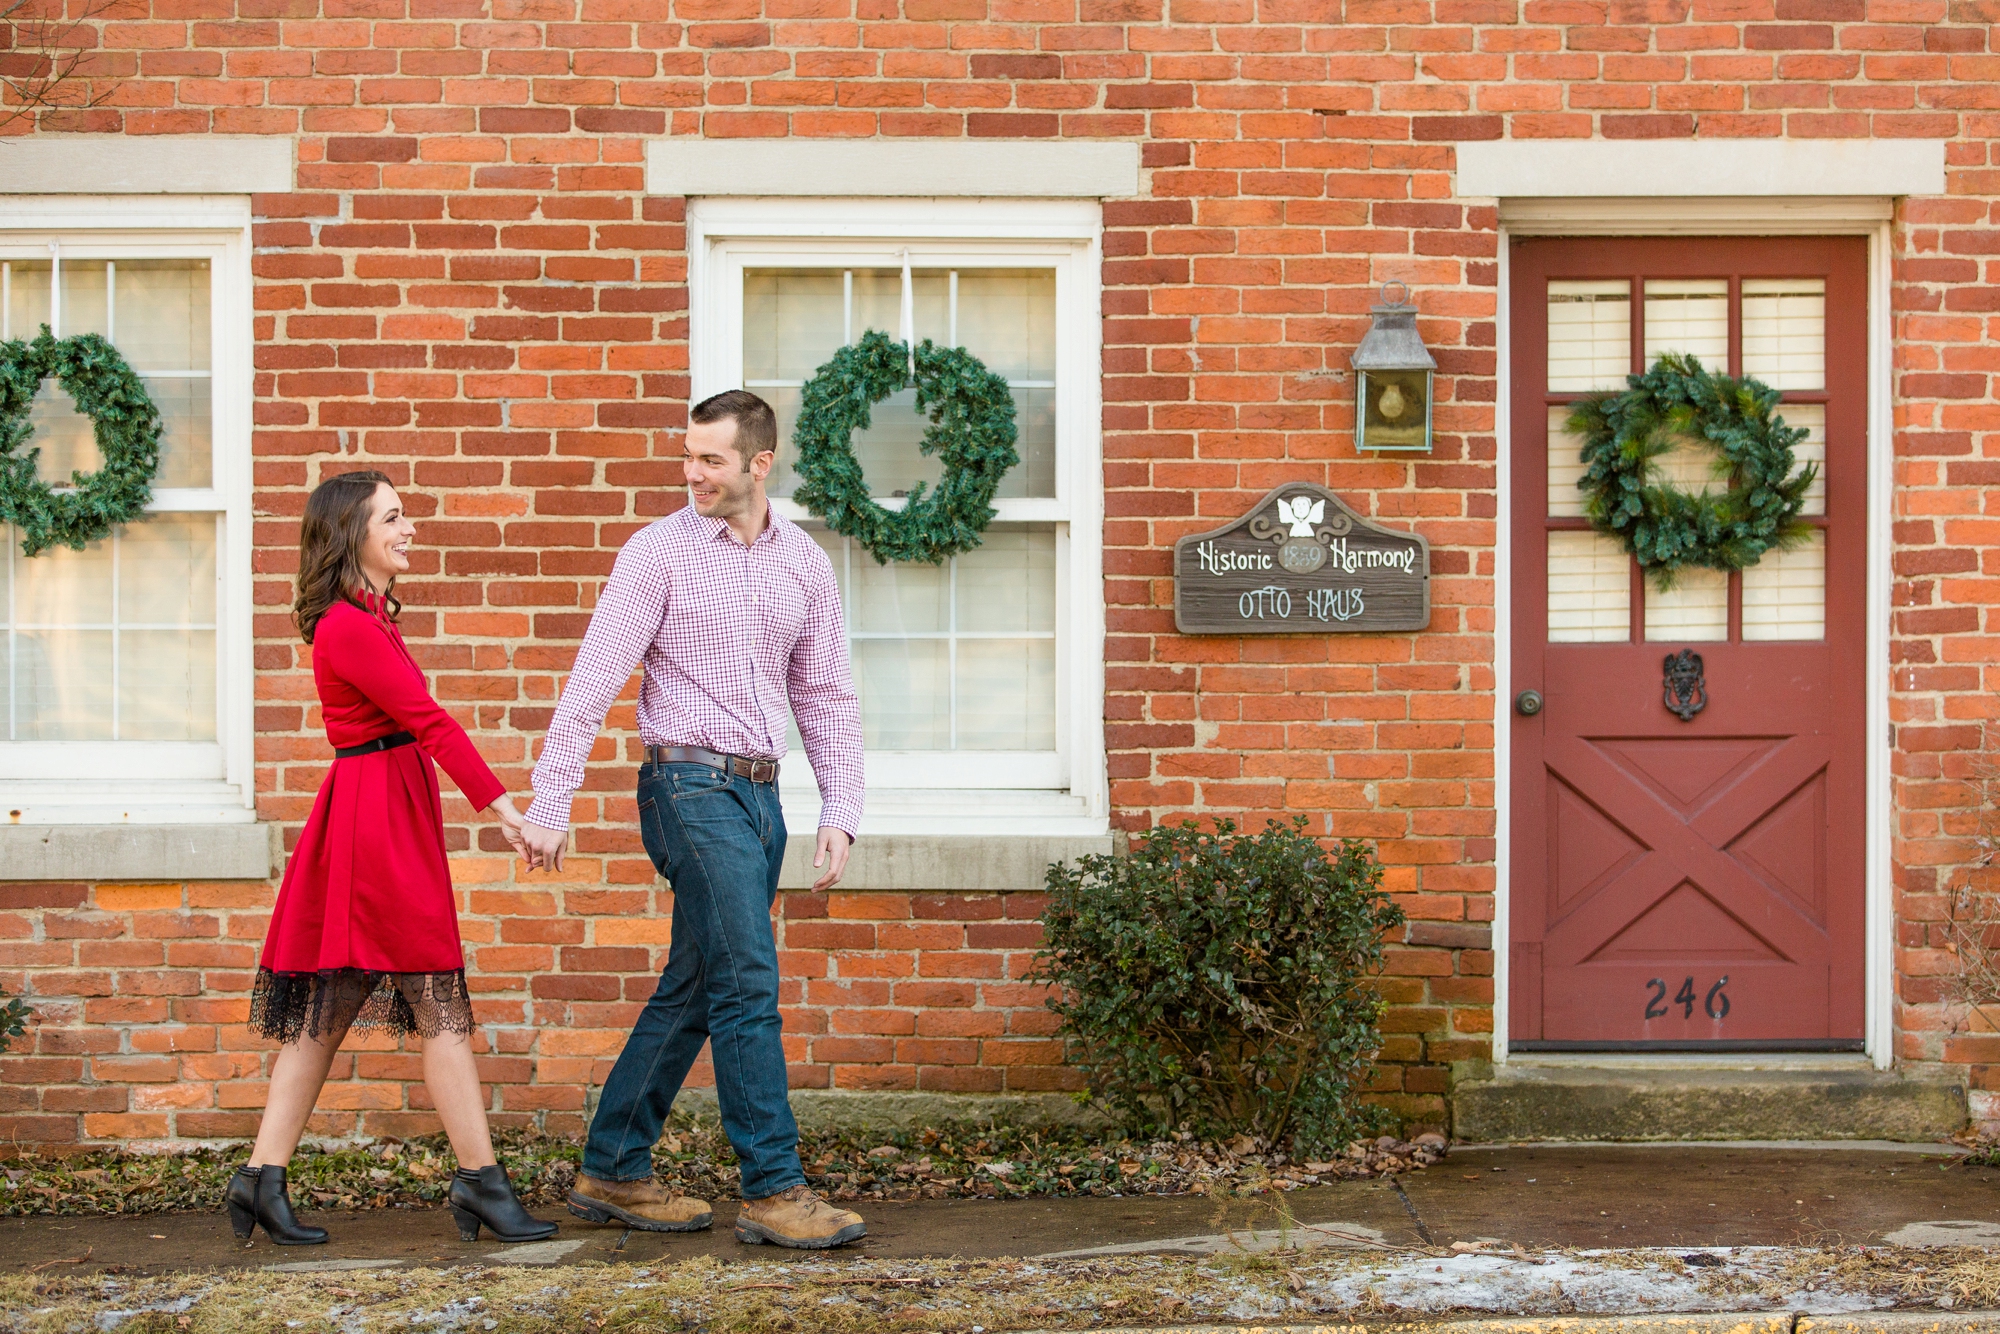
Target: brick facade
{"type": "Point", "coordinates": [471, 291]}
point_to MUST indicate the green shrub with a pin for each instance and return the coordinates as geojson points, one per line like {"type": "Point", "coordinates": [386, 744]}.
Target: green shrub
{"type": "Point", "coordinates": [1218, 983]}
{"type": "Point", "coordinates": [14, 1016]}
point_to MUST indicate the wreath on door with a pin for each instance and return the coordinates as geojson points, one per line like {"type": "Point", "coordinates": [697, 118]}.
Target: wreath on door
{"type": "Point", "coordinates": [1665, 528]}
{"type": "Point", "coordinates": [123, 417]}
{"type": "Point", "coordinates": [972, 430]}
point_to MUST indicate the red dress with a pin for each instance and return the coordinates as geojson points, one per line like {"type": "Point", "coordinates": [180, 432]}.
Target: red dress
{"type": "Point", "coordinates": [365, 931]}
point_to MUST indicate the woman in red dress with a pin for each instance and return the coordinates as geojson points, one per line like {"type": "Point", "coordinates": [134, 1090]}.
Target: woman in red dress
{"type": "Point", "coordinates": [365, 933]}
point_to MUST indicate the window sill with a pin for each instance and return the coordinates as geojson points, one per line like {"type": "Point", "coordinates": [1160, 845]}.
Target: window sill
{"type": "Point", "coordinates": [943, 863]}
{"type": "Point", "coordinates": [992, 812]}
{"type": "Point", "coordinates": [151, 852]}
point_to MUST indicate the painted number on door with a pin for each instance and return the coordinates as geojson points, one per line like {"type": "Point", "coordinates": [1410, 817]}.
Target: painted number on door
{"type": "Point", "coordinates": [1715, 1004]}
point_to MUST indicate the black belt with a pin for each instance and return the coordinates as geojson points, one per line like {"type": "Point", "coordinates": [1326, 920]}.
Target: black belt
{"type": "Point", "coordinates": [389, 742]}
{"type": "Point", "coordinates": [757, 771]}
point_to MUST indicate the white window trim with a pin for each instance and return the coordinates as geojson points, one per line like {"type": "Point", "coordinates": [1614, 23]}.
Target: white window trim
{"type": "Point", "coordinates": [216, 227]}
{"type": "Point", "coordinates": [721, 234]}
{"type": "Point", "coordinates": [1668, 216]}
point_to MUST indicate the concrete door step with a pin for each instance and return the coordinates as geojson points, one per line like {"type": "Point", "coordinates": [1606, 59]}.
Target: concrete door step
{"type": "Point", "coordinates": [1765, 1098]}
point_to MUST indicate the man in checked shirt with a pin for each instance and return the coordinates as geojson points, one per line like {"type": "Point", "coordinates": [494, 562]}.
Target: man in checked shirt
{"type": "Point", "coordinates": [734, 616]}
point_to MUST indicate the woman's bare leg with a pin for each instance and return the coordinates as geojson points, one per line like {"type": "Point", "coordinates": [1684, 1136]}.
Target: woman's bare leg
{"type": "Point", "coordinates": [453, 1079]}
{"type": "Point", "coordinates": [296, 1078]}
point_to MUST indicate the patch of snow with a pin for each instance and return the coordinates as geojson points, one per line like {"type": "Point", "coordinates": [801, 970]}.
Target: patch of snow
{"type": "Point", "coordinates": [1946, 1232]}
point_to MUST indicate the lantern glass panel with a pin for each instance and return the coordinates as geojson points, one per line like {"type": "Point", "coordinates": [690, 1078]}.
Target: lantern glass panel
{"type": "Point", "coordinates": [1395, 409]}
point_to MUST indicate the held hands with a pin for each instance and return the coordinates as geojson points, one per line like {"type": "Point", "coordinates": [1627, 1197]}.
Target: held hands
{"type": "Point", "coordinates": [541, 848]}
{"type": "Point", "coordinates": [510, 823]}
{"type": "Point", "coordinates": [831, 852]}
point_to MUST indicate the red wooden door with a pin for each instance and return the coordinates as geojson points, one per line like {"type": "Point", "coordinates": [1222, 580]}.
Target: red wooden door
{"type": "Point", "coordinates": [1687, 883]}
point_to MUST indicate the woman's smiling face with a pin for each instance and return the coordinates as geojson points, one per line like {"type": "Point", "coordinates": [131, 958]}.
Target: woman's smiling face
{"type": "Point", "coordinates": [385, 551]}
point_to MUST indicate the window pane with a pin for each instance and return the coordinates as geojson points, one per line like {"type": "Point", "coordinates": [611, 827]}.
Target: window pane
{"type": "Point", "coordinates": [984, 620]}
{"type": "Point", "coordinates": [61, 587]}
{"type": "Point", "coordinates": [1565, 465]}
{"type": "Point", "coordinates": [1035, 442]}
{"type": "Point", "coordinates": [1007, 318]}
{"type": "Point", "coordinates": [156, 313]}
{"type": "Point", "coordinates": [898, 598]}
{"type": "Point", "coordinates": [1009, 581]}
{"type": "Point", "coordinates": [1695, 609]}
{"type": "Point", "coordinates": [24, 298]}
{"type": "Point", "coordinates": [1590, 589]}
{"type": "Point", "coordinates": [116, 642]}
{"type": "Point", "coordinates": [1784, 594]}
{"type": "Point", "coordinates": [1784, 331]}
{"type": "Point", "coordinates": [84, 305]}
{"type": "Point", "coordinates": [1812, 416]}
{"type": "Point", "coordinates": [905, 689]}
{"type": "Point", "coordinates": [791, 322]}
{"type": "Point", "coordinates": [1688, 315]}
{"type": "Point", "coordinates": [62, 685]}
{"type": "Point", "coordinates": [187, 444]}
{"type": "Point", "coordinates": [1006, 694]}
{"type": "Point", "coordinates": [62, 654]}
{"type": "Point", "coordinates": [65, 437]}
{"type": "Point", "coordinates": [166, 571]}
{"type": "Point", "coordinates": [1590, 335]}
{"type": "Point", "coordinates": [794, 320]}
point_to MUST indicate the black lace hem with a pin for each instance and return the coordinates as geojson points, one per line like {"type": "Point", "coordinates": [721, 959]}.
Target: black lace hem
{"type": "Point", "coordinates": [289, 1006]}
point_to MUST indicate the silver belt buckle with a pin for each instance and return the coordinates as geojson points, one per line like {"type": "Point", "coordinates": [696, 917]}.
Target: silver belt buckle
{"type": "Point", "coordinates": [763, 771]}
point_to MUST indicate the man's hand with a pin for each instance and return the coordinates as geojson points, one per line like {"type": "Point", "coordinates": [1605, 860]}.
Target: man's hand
{"type": "Point", "coordinates": [545, 846]}
{"type": "Point", "coordinates": [831, 852]}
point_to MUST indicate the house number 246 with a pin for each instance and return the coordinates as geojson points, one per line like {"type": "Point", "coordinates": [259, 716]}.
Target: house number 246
{"type": "Point", "coordinates": [1716, 1003]}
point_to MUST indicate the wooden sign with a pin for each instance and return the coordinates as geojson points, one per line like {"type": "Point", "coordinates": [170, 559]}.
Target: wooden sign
{"type": "Point", "coordinates": [1301, 563]}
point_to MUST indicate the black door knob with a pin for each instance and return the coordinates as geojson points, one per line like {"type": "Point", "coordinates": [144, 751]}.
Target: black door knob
{"type": "Point", "coordinates": [1528, 703]}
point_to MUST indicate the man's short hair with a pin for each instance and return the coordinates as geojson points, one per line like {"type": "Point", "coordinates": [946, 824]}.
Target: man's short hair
{"type": "Point", "coordinates": [756, 424]}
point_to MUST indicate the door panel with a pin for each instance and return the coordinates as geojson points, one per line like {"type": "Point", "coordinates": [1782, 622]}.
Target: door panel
{"type": "Point", "coordinates": [1678, 882]}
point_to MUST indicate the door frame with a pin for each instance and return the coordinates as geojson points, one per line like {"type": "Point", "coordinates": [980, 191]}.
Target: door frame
{"type": "Point", "coordinates": [1868, 216]}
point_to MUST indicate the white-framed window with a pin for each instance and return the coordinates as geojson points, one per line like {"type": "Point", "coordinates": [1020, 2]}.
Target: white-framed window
{"type": "Point", "coordinates": [981, 680]}
{"type": "Point", "coordinates": [125, 668]}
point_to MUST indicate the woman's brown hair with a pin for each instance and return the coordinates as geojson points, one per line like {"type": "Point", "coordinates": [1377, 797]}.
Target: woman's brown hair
{"type": "Point", "coordinates": [336, 524]}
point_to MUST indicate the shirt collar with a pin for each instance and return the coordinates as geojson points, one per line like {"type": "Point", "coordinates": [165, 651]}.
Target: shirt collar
{"type": "Point", "coordinates": [719, 528]}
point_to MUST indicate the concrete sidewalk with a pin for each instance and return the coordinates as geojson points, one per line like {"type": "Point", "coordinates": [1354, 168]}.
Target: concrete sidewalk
{"type": "Point", "coordinates": [1591, 1196]}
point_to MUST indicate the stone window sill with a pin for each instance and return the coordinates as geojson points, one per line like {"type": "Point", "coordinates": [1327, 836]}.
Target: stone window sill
{"type": "Point", "coordinates": [152, 852]}
{"type": "Point", "coordinates": [942, 863]}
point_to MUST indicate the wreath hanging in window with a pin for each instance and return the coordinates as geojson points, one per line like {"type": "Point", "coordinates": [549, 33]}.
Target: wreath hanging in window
{"type": "Point", "coordinates": [123, 417]}
{"type": "Point", "coordinates": [972, 430]}
{"type": "Point", "coordinates": [1665, 528]}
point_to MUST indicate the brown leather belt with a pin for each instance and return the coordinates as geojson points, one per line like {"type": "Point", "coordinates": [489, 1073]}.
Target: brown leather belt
{"type": "Point", "coordinates": [757, 771]}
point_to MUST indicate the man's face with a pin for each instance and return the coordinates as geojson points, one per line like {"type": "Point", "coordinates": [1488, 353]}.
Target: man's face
{"type": "Point", "coordinates": [720, 482]}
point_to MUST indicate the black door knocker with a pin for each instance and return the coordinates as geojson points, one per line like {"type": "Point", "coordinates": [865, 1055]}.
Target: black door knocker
{"type": "Point", "coordinates": [1685, 690]}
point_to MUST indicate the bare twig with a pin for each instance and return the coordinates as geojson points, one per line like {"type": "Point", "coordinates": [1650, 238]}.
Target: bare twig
{"type": "Point", "coordinates": [83, 1259]}
{"type": "Point", "coordinates": [1972, 907]}
{"type": "Point", "coordinates": [45, 57]}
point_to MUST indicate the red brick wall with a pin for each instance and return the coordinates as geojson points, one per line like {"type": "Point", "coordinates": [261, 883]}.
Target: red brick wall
{"type": "Point", "coordinates": [470, 292]}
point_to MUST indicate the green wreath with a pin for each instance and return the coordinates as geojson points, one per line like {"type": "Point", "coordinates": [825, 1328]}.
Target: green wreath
{"type": "Point", "coordinates": [1666, 528]}
{"type": "Point", "coordinates": [127, 425]}
{"type": "Point", "coordinates": [972, 430]}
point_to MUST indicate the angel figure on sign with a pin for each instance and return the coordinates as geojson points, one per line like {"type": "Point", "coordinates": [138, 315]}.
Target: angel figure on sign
{"type": "Point", "coordinates": [1303, 513]}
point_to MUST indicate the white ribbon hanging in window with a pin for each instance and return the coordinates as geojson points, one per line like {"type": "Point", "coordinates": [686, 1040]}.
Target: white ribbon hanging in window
{"type": "Point", "coordinates": [906, 331]}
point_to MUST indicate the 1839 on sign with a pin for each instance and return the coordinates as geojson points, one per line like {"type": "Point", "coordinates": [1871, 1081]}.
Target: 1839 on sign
{"type": "Point", "coordinates": [1301, 562]}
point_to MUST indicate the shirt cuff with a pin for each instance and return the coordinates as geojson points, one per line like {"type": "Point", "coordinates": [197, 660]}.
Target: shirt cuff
{"type": "Point", "coordinates": [842, 815]}
{"type": "Point", "coordinates": [550, 812]}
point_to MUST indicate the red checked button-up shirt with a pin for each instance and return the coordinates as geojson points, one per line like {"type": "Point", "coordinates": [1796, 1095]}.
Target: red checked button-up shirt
{"type": "Point", "coordinates": [729, 636]}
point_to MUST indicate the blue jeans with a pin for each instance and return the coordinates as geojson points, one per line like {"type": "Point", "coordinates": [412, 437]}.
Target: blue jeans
{"type": "Point", "coordinates": [719, 840]}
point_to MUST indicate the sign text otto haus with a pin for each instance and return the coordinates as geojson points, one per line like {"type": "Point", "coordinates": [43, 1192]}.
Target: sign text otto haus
{"type": "Point", "coordinates": [1301, 562]}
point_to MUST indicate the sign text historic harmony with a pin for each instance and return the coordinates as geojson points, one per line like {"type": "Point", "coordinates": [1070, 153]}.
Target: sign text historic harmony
{"type": "Point", "coordinates": [1301, 562]}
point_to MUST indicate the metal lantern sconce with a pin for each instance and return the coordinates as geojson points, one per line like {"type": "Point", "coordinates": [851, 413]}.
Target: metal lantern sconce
{"type": "Point", "coordinates": [1393, 380]}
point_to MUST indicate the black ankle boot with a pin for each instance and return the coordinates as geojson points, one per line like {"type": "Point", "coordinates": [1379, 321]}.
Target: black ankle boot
{"type": "Point", "coordinates": [257, 1195]}
{"type": "Point", "coordinates": [486, 1196]}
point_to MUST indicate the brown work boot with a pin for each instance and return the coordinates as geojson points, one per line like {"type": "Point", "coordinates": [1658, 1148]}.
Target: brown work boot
{"type": "Point", "coordinates": [797, 1218]}
{"type": "Point", "coordinates": [643, 1204]}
